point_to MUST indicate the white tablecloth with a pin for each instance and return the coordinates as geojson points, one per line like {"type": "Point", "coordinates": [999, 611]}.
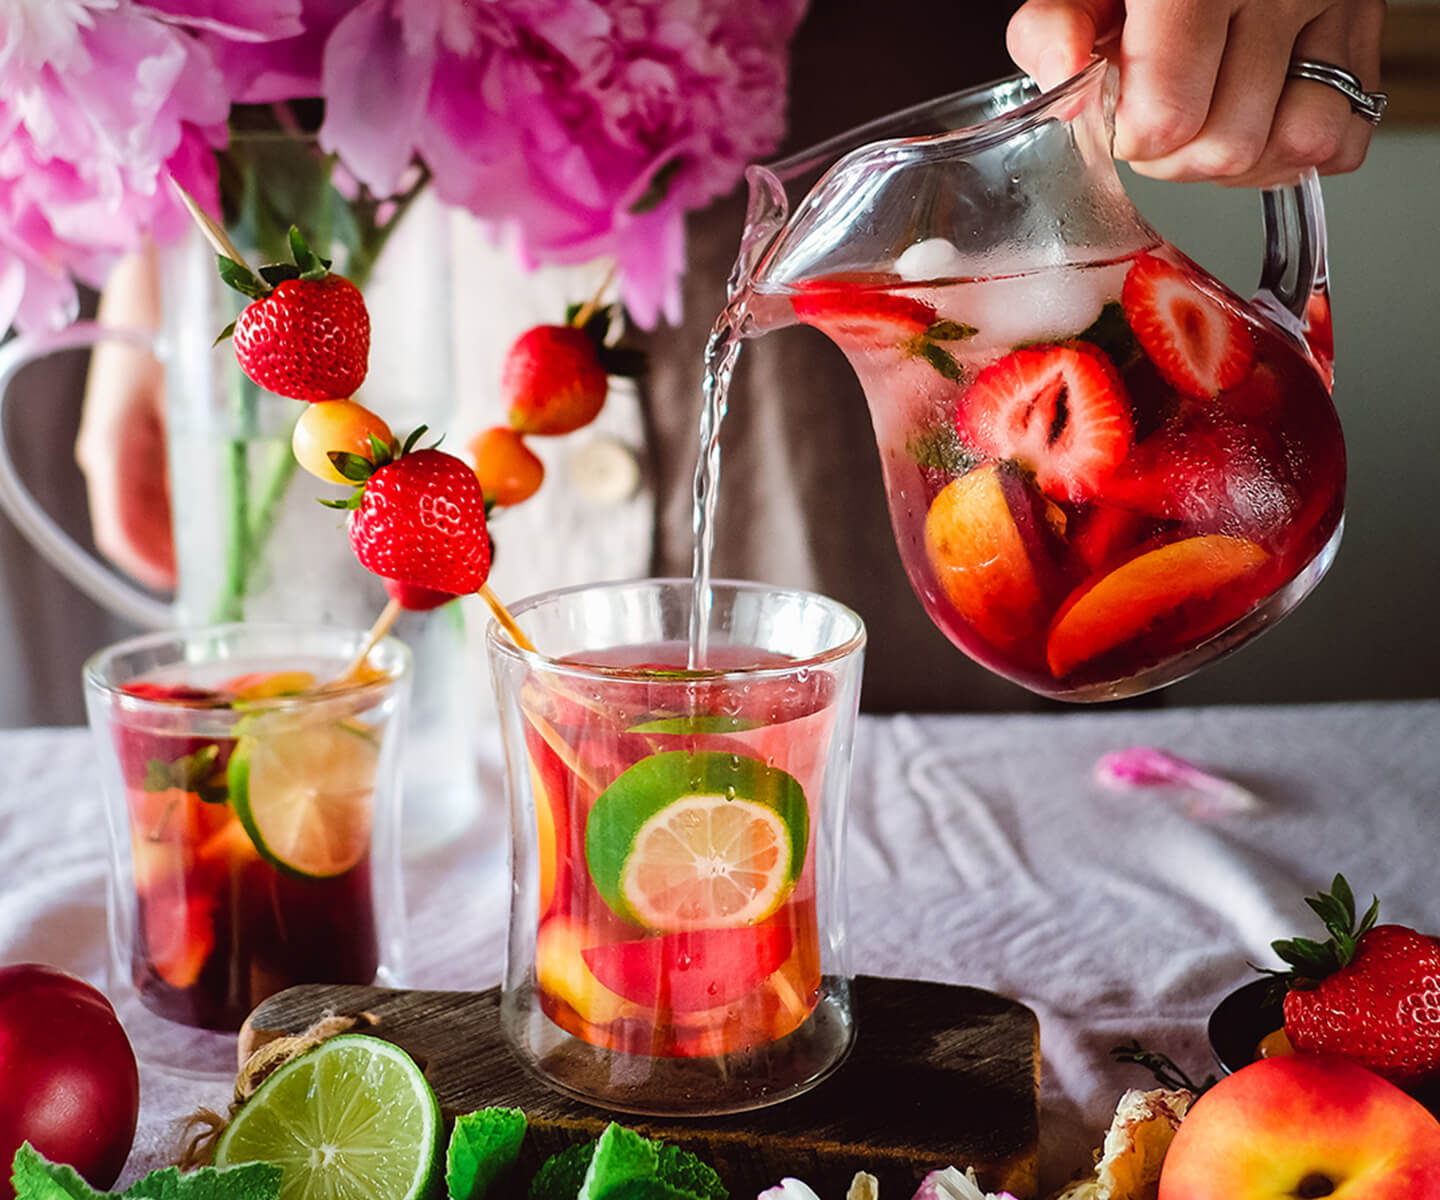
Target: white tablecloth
{"type": "Point", "coordinates": [980, 852]}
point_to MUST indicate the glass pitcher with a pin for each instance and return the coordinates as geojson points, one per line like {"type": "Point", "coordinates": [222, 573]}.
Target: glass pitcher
{"type": "Point", "coordinates": [1104, 468]}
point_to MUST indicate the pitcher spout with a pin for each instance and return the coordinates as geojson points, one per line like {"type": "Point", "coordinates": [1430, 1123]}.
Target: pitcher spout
{"type": "Point", "coordinates": [766, 212]}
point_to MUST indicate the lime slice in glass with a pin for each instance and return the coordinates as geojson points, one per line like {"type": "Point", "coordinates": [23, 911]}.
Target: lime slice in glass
{"type": "Point", "coordinates": [697, 841]}
{"type": "Point", "coordinates": [352, 1119]}
{"type": "Point", "coordinates": [305, 794]}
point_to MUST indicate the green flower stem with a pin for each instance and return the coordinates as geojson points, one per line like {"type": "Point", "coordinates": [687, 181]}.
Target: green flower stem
{"type": "Point", "coordinates": [230, 603]}
{"type": "Point", "coordinates": [272, 492]}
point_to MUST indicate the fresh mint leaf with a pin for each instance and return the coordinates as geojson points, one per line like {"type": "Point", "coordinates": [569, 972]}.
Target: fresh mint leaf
{"type": "Point", "coordinates": [942, 360]}
{"type": "Point", "coordinates": [249, 1181]}
{"type": "Point", "coordinates": [621, 1155]}
{"type": "Point", "coordinates": [950, 331]}
{"type": "Point", "coordinates": [681, 1169]}
{"type": "Point", "coordinates": [190, 773]}
{"type": "Point", "coordinates": [1111, 332]}
{"type": "Point", "coordinates": [484, 1149]}
{"type": "Point", "coordinates": [37, 1178]}
{"type": "Point", "coordinates": [560, 1175]}
{"type": "Point", "coordinates": [676, 1173]}
{"type": "Point", "coordinates": [940, 449]}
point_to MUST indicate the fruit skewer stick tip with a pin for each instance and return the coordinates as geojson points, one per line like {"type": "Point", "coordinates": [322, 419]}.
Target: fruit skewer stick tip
{"type": "Point", "coordinates": [383, 624]}
{"type": "Point", "coordinates": [587, 310]}
{"type": "Point", "coordinates": [214, 232]}
{"type": "Point", "coordinates": [507, 622]}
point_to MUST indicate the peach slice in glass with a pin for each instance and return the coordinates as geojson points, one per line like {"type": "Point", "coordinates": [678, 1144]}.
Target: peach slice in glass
{"type": "Point", "coordinates": [1155, 585]}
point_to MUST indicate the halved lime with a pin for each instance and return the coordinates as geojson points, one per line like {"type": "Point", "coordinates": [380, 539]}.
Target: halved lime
{"type": "Point", "coordinates": [305, 794]}
{"type": "Point", "coordinates": [697, 841]}
{"type": "Point", "coordinates": [352, 1119]}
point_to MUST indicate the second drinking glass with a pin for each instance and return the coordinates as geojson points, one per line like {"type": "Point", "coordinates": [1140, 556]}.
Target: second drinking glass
{"type": "Point", "coordinates": [677, 926]}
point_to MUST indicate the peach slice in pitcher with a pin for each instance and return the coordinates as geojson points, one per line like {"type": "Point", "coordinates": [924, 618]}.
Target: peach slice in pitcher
{"type": "Point", "coordinates": [986, 538]}
{"type": "Point", "coordinates": [1152, 588]}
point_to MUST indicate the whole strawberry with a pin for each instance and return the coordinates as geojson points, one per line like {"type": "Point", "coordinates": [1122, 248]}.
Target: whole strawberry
{"type": "Point", "coordinates": [555, 377]}
{"type": "Point", "coordinates": [306, 333]}
{"type": "Point", "coordinates": [1371, 993]}
{"type": "Point", "coordinates": [414, 598]}
{"type": "Point", "coordinates": [417, 518]}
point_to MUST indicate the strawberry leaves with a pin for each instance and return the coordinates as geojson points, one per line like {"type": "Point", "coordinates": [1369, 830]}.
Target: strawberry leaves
{"type": "Point", "coordinates": [306, 265]}
{"type": "Point", "coordinates": [624, 361]}
{"type": "Point", "coordinates": [1311, 961]}
{"type": "Point", "coordinates": [359, 469]}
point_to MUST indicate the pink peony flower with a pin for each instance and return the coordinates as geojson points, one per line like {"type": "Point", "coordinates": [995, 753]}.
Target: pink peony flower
{"type": "Point", "coordinates": [101, 101]}
{"type": "Point", "coordinates": [579, 127]}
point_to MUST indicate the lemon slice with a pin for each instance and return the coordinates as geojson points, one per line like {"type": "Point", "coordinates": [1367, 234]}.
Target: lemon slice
{"type": "Point", "coordinates": [352, 1119]}
{"type": "Point", "coordinates": [697, 841]}
{"type": "Point", "coordinates": [305, 795]}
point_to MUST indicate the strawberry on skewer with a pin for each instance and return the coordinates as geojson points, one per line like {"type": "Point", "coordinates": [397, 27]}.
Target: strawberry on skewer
{"type": "Point", "coordinates": [555, 378]}
{"type": "Point", "coordinates": [417, 517]}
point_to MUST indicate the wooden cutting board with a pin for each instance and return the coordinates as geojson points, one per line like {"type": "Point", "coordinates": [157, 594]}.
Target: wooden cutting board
{"type": "Point", "coordinates": [939, 1076]}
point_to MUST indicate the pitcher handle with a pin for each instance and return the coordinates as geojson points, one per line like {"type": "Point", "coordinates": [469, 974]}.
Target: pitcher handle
{"type": "Point", "coordinates": [103, 585]}
{"type": "Point", "coordinates": [1294, 283]}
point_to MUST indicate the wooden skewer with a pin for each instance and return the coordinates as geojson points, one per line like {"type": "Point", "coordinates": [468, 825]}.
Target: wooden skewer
{"type": "Point", "coordinates": [507, 622]}
{"type": "Point", "coordinates": [383, 624]}
{"type": "Point", "coordinates": [214, 232]}
{"type": "Point", "coordinates": [563, 751]}
{"type": "Point", "coordinates": [587, 310]}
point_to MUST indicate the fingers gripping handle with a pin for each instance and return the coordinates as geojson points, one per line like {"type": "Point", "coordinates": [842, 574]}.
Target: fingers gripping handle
{"type": "Point", "coordinates": [97, 581]}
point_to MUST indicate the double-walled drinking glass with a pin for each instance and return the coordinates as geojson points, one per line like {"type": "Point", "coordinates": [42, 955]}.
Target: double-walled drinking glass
{"type": "Point", "coordinates": [677, 924]}
{"type": "Point", "coordinates": [253, 816]}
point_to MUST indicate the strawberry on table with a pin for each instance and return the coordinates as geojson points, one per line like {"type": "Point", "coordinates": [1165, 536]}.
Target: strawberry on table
{"type": "Point", "coordinates": [417, 517]}
{"type": "Point", "coordinates": [306, 333]}
{"type": "Point", "coordinates": [1059, 411]}
{"type": "Point", "coordinates": [1199, 345]}
{"type": "Point", "coordinates": [1370, 993]}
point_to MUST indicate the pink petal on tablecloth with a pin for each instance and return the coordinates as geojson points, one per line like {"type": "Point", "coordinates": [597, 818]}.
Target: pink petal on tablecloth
{"type": "Point", "coordinates": [1149, 766]}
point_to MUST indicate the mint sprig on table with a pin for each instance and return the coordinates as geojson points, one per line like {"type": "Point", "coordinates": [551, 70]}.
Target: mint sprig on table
{"type": "Point", "coordinates": [483, 1152]}
{"type": "Point", "coordinates": [37, 1178]}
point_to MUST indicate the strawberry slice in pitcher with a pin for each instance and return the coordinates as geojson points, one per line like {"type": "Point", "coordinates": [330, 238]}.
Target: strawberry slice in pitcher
{"type": "Point", "coordinates": [1059, 411]}
{"type": "Point", "coordinates": [1199, 344]}
{"type": "Point", "coordinates": [858, 312]}
{"type": "Point", "coordinates": [860, 316]}
{"type": "Point", "coordinates": [692, 970]}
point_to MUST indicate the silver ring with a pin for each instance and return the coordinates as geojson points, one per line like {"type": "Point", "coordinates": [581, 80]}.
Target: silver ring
{"type": "Point", "coordinates": [1370, 105]}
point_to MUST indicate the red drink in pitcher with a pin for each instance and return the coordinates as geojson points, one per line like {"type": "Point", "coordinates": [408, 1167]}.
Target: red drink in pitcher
{"type": "Point", "coordinates": [1094, 471]}
{"type": "Point", "coordinates": [677, 885]}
